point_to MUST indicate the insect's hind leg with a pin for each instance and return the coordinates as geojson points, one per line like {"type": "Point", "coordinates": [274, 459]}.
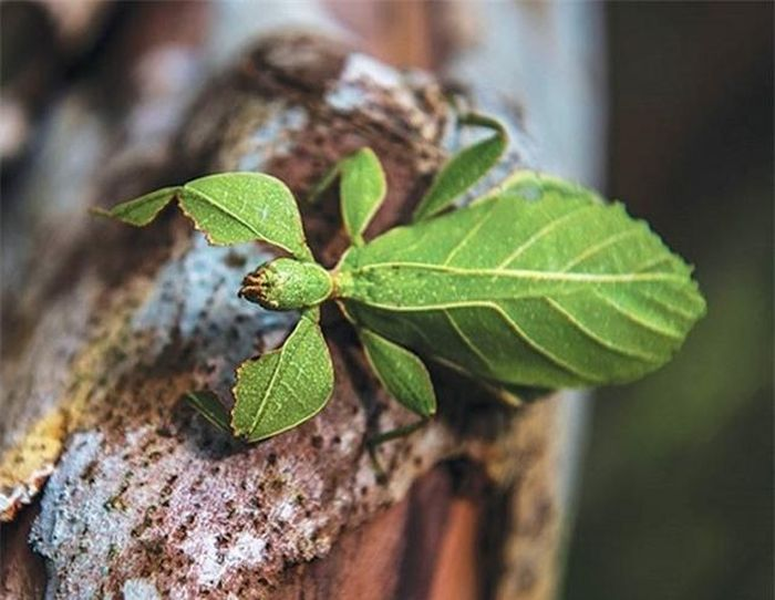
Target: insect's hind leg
{"type": "Point", "coordinates": [394, 434]}
{"type": "Point", "coordinates": [372, 443]}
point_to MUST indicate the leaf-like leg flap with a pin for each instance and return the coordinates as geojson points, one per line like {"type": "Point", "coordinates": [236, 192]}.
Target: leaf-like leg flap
{"type": "Point", "coordinates": [325, 182]}
{"type": "Point", "coordinates": [285, 387]}
{"type": "Point", "coordinates": [362, 190]}
{"type": "Point", "coordinates": [142, 210]}
{"type": "Point", "coordinates": [210, 408]}
{"type": "Point", "coordinates": [464, 169]}
{"type": "Point", "coordinates": [232, 208]}
{"type": "Point", "coordinates": [401, 372]}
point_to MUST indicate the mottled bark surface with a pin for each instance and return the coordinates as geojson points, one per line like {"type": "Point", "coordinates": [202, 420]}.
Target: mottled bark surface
{"type": "Point", "coordinates": [144, 499]}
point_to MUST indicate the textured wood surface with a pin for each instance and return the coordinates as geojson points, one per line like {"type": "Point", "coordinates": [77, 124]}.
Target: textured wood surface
{"type": "Point", "coordinates": [104, 327]}
{"type": "Point", "coordinates": [130, 320]}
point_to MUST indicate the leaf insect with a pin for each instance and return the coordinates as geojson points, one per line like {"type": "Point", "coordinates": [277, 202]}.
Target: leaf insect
{"type": "Point", "coordinates": [536, 283]}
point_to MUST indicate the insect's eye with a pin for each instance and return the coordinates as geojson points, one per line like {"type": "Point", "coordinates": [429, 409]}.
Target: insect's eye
{"type": "Point", "coordinates": [287, 284]}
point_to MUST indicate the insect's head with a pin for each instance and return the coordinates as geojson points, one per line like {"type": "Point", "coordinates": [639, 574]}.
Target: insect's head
{"type": "Point", "coordinates": [287, 284]}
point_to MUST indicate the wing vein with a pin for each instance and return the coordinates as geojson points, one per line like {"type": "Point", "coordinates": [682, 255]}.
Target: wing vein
{"type": "Point", "coordinates": [639, 321]}
{"type": "Point", "coordinates": [467, 341]}
{"type": "Point", "coordinates": [543, 232]}
{"type": "Point", "coordinates": [558, 307]}
{"type": "Point", "coordinates": [595, 248]}
{"type": "Point", "coordinates": [651, 263]}
{"type": "Point", "coordinates": [471, 232]}
{"type": "Point", "coordinates": [668, 307]}
{"type": "Point", "coordinates": [570, 368]}
{"type": "Point", "coordinates": [531, 274]}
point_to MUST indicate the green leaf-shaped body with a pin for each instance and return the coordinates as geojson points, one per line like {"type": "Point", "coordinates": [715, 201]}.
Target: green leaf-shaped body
{"type": "Point", "coordinates": [538, 285]}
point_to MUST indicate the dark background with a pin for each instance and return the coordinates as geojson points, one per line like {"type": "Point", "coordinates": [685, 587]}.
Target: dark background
{"type": "Point", "coordinates": [676, 495]}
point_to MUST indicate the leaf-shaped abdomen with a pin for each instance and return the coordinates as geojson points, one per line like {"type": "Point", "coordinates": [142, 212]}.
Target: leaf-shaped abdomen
{"type": "Point", "coordinates": [561, 291]}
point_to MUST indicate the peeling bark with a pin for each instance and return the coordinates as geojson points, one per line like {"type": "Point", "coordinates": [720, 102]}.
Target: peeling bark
{"type": "Point", "coordinates": [124, 322]}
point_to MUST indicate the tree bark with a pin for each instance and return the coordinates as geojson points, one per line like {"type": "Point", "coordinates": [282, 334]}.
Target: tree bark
{"type": "Point", "coordinates": [112, 326]}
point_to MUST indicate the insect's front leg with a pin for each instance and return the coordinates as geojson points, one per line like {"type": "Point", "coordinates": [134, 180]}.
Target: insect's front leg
{"type": "Point", "coordinates": [362, 190]}
{"type": "Point", "coordinates": [325, 183]}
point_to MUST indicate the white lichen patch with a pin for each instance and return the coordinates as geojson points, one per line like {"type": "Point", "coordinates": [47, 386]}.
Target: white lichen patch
{"type": "Point", "coordinates": [348, 95]}
{"type": "Point", "coordinates": [140, 589]}
{"type": "Point", "coordinates": [202, 281]}
{"type": "Point", "coordinates": [200, 289]}
{"type": "Point", "coordinates": [365, 83]}
{"type": "Point", "coordinates": [213, 563]}
{"type": "Point", "coordinates": [79, 522]}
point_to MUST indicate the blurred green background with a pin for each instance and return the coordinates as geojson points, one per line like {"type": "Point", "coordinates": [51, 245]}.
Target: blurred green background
{"type": "Point", "coordinates": [677, 482]}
